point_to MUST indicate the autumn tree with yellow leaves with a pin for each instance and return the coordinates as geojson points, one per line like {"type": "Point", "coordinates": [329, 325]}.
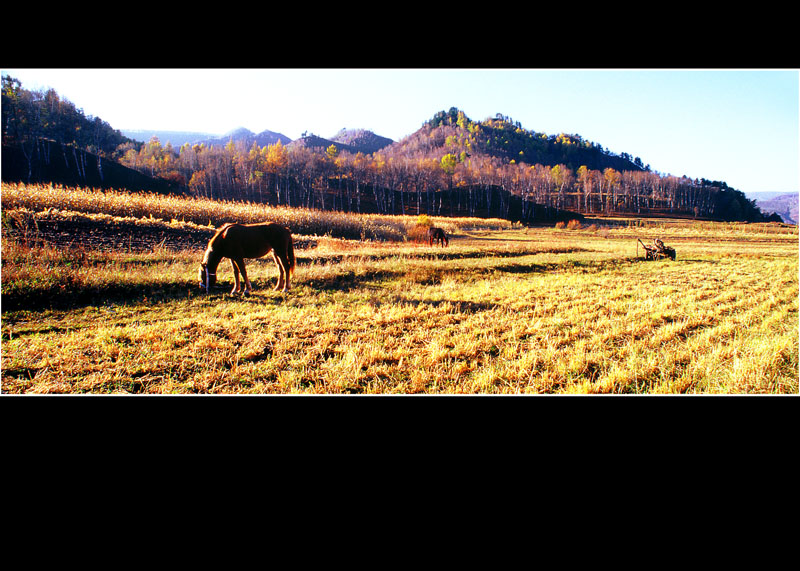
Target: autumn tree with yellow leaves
{"type": "Point", "coordinates": [443, 169]}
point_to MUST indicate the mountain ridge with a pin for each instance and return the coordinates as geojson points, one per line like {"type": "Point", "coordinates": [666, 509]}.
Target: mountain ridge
{"type": "Point", "coordinates": [179, 138]}
{"type": "Point", "coordinates": [351, 140]}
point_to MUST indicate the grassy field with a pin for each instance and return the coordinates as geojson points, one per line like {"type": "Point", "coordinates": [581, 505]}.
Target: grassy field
{"type": "Point", "coordinates": [501, 311]}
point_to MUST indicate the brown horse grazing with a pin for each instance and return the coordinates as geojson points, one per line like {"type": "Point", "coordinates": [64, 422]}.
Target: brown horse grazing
{"type": "Point", "coordinates": [437, 235]}
{"type": "Point", "coordinates": [240, 241]}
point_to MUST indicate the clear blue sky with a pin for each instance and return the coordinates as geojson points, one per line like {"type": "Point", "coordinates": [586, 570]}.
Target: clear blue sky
{"type": "Point", "coordinates": [737, 126]}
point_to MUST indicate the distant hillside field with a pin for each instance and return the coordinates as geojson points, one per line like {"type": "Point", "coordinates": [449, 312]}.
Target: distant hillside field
{"type": "Point", "coordinates": [785, 205]}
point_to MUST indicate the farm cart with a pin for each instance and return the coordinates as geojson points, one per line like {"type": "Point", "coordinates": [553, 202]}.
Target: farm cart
{"type": "Point", "coordinates": [657, 251]}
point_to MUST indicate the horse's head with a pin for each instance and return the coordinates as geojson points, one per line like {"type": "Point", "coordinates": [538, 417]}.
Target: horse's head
{"type": "Point", "coordinates": [206, 278]}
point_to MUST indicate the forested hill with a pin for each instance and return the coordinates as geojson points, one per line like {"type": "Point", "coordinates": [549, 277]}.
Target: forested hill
{"type": "Point", "coordinates": [32, 116]}
{"type": "Point", "coordinates": [508, 140]}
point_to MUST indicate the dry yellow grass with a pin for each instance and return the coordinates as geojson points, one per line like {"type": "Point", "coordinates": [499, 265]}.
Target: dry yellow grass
{"type": "Point", "coordinates": [211, 213]}
{"type": "Point", "coordinates": [501, 311]}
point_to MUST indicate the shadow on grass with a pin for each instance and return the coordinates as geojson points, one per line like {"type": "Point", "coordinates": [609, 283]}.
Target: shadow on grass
{"type": "Point", "coordinates": [435, 253]}
{"type": "Point", "coordinates": [590, 266]}
{"type": "Point", "coordinates": [64, 297]}
{"type": "Point", "coordinates": [67, 296]}
{"type": "Point", "coordinates": [349, 280]}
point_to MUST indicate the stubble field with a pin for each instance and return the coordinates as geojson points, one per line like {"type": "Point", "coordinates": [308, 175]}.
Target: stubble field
{"type": "Point", "coordinates": [501, 311]}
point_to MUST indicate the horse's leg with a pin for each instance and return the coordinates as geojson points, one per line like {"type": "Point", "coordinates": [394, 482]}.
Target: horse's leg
{"type": "Point", "coordinates": [282, 261]}
{"type": "Point", "coordinates": [281, 272]}
{"type": "Point", "coordinates": [247, 287]}
{"type": "Point", "coordinates": [235, 276]}
{"type": "Point", "coordinates": [283, 258]}
{"type": "Point", "coordinates": [287, 268]}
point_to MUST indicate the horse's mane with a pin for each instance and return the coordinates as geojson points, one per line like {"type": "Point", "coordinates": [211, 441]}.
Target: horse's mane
{"type": "Point", "coordinates": [222, 229]}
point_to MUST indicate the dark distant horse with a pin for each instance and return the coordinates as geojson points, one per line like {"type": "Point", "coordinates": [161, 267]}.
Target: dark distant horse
{"type": "Point", "coordinates": [240, 241]}
{"type": "Point", "coordinates": [437, 235]}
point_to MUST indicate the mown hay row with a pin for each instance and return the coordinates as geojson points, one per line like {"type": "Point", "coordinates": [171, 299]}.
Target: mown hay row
{"type": "Point", "coordinates": [205, 212]}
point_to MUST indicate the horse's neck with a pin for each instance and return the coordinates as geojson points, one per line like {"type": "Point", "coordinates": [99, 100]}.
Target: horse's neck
{"type": "Point", "coordinates": [211, 259]}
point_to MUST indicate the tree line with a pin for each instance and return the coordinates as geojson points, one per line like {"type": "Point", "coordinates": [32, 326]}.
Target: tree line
{"type": "Point", "coordinates": [450, 166]}
{"type": "Point", "coordinates": [457, 181]}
